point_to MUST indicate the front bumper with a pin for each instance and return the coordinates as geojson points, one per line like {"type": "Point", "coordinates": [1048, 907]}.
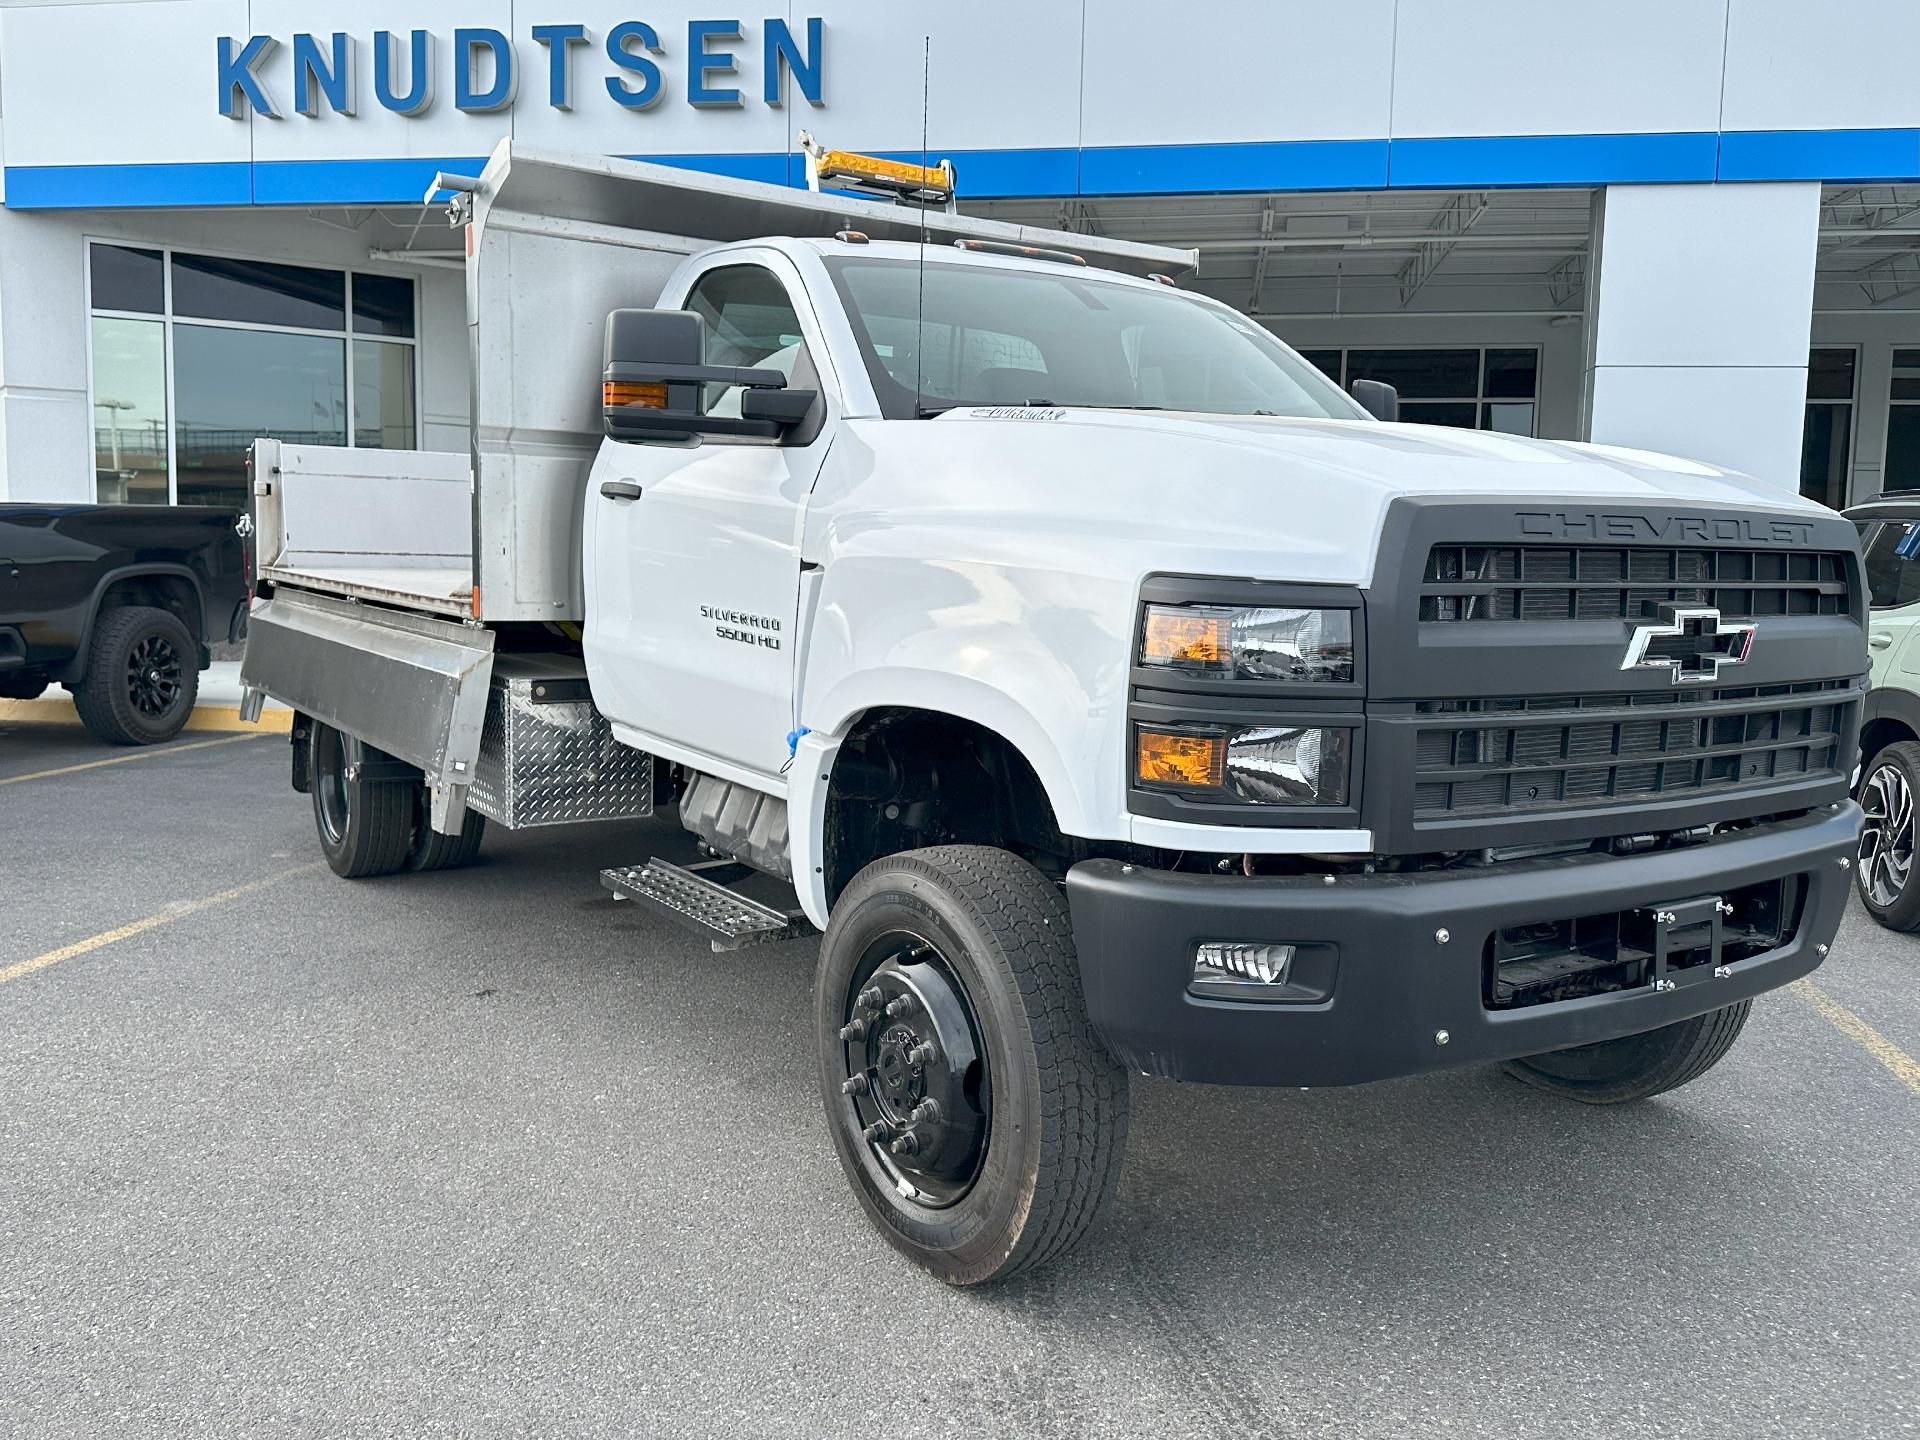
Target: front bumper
{"type": "Point", "coordinates": [1382, 987]}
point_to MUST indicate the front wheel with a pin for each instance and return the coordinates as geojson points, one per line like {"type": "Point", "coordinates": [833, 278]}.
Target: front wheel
{"type": "Point", "coordinates": [1636, 1066]}
{"type": "Point", "coordinates": [978, 1117]}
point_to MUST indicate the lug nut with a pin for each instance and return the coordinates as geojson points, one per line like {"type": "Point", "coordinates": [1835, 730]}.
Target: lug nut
{"type": "Point", "coordinates": [877, 1132]}
{"type": "Point", "coordinates": [927, 1111]}
{"type": "Point", "coordinates": [901, 1007]}
{"type": "Point", "coordinates": [904, 1145]}
{"type": "Point", "coordinates": [854, 1085]}
{"type": "Point", "coordinates": [1845, 863]}
{"type": "Point", "coordinates": [854, 1029]}
{"type": "Point", "coordinates": [870, 998]}
{"type": "Point", "coordinates": [921, 1055]}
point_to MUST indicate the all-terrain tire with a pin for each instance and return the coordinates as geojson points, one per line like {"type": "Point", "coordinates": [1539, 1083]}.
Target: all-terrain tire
{"type": "Point", "coordinates": [1055, 1111]}
{"type": "Point", "coordinates": [143, 675]}
{"type": "Point", "coordinates": [365, 825]}
{"type": "Point", "coordinates": [1636, 1066]}
{"type": "Point", "coordinates": [1885, 874]}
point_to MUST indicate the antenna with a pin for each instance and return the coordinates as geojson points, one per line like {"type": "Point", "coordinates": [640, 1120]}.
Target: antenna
{"type": "Point", "coordinates": [920, 319]}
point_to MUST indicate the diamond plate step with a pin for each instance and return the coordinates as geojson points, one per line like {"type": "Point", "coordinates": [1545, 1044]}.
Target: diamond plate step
{"type": "Point", "coordinates": [706, 907]}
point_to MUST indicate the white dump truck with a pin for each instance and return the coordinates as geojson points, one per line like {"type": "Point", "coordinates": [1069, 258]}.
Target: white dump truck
{"type": "Point", "coordinates": [1115, 693]}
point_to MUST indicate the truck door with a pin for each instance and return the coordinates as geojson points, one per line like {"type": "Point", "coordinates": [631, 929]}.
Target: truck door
{"type": "Point", "coordinates": [693, 585]}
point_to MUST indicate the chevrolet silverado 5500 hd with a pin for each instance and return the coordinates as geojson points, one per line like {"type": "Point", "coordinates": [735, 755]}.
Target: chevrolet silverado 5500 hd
{"type": "Point", "coordinates": [1113, 691]}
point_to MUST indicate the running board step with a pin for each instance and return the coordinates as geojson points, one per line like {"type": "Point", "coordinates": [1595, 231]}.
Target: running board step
{"type": "Point", "coordinates": [706, 907]}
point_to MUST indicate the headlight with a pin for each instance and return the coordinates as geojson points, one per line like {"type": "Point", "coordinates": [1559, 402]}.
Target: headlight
{"type": "Point", "coordinates": [1269, 643]}
{"type": "Point", "coordinates": [1261, 764]}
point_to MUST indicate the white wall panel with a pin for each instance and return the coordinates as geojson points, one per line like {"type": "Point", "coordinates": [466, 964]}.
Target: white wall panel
{"type": "Point", "coordinates": [1006, 74]}
{"type": "Point", "coordinates": [1707, 274]}
{"type": "Point", "coordinates": [1283, 70]}
{"type": "Point", "coordinates": [46, 443]}
{"type": "Point", "coordinates": [117, 83]}
{"type": "Point", "coordinates": [1746, 418]}
{"type": "Point", "coordinates": [1520, 67]}
{"type": "Point", "coordinates": [1794, 65]}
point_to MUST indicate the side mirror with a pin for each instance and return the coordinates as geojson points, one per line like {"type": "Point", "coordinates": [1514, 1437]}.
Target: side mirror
{"type": "Point", "coordinates": [1377, 398]}
{"type": "Point", "coordinates": [655, 380]}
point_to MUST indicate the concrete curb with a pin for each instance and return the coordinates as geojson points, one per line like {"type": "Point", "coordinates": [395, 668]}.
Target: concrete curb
{"type": "Point", "coordinates": [217, 718]}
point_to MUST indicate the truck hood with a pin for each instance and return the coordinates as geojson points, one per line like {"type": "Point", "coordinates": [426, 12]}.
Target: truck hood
{"type": "Point", "coordinates": [1268, 497]}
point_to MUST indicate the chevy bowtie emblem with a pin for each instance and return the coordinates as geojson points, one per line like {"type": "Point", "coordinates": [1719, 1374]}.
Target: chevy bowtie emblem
{"type": "Point", "coordinates": [1692, 643]}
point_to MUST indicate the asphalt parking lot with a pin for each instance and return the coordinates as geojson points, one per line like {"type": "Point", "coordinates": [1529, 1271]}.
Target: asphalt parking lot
{"type": "Point", "coordinates": [485, 1153]}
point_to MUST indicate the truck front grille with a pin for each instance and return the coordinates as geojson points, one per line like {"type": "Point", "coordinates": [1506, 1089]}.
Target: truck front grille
{"type": "Point", "coordinates": [1574, 751]}
{"type": "Point", "coordinates": [1546, 583]}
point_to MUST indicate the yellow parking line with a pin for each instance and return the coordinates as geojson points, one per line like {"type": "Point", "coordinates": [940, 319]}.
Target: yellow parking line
{"type": "Point", "coordinates": [123, 759]}
{"type": "Point", "coordinates": [1904, 1067]}
{"type": "Point", "coordinates": [164, 917]}
{"type": "Point", "coordinates": [224, 718]}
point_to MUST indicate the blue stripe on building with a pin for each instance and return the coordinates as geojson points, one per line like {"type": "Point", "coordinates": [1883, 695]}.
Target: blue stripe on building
{"type": "Point", "coordinates": [1464, 162]}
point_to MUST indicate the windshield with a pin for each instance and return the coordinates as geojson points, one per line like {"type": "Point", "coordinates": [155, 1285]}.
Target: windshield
{"type": "Point", "coordinates": [993, 336]}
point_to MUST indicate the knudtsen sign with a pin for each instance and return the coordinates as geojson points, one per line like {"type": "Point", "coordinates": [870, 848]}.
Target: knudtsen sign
{"type": "Point", "coordinates": [324, 70]}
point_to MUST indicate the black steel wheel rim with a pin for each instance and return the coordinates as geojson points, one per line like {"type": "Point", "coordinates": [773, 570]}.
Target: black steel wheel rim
{"type": "Point", "coordinates": [329, 781]}
{"type": "Point", "coordinates": [917, 1089]}
{"type": "Point", "coordinates": [154, 684]}
{"type": "Point", "coordinates": [1886, 837]}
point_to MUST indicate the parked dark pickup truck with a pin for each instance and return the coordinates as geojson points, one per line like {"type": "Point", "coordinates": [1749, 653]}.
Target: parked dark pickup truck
{"type": "Point", "coordinates": [121, 604]}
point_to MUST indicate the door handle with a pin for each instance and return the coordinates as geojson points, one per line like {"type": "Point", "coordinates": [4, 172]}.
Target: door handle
{"type": "Point", "coordinates": [620, 489]}
{"type": "Point", "coordinates": [1881, 641]}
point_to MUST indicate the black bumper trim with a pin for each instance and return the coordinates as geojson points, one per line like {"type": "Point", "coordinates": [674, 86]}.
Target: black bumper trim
{"type": "Point", "coordinates": [1395, 986]}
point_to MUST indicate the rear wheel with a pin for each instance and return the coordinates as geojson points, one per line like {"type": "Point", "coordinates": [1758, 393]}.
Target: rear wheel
{"type": "Point", "coordinates": [1884, 874]}
{"type": "Point", "coordinates": [143, 674]}
{"type": "Point", "coordinates": [978, 1117]}
{"type": "Point", "coordinates": [365, 825]}
{"type": "Point", "coordinates": [433, 851]}
{"type": "Point", "coordinates": [1636, 1066]}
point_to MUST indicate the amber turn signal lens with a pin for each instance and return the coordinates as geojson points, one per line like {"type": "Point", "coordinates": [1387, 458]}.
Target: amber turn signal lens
{"type": "Point", "coordinates": [1199, 761]}
{"type": "Point", "coordinates": [1185, 637]}
{"type": "Point", "coordinates": [629, 392]}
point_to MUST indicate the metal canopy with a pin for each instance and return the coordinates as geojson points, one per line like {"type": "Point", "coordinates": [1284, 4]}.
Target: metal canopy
{"type": "Point", "coordinates": [672, 203]}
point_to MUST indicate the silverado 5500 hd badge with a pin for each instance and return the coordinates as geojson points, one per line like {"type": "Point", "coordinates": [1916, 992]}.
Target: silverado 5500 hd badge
{"type": "Point", "coordinates": [761, 630]}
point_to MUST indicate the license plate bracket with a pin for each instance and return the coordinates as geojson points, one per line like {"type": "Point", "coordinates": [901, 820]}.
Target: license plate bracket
{"type": "Point", "coordinates": [1684, 939]}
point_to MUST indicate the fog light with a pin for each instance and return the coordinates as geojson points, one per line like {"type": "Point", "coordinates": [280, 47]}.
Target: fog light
{"type": "Point", "coordinates": [1232, 964]}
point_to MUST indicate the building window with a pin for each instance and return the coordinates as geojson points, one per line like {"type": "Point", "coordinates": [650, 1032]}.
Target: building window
{"type": "Point", "coordinates": [1903, 423]}
{"type": "Point", "coordinates": [1490, 389]}
{"type": "Point", "coordinates": [197, 356]}
{"type": "Point", "coordinates": [1826, 443]}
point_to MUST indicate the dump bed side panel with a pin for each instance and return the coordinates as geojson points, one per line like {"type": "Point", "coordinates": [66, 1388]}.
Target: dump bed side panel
{"type": "Point", "coordinates": [538, 296]}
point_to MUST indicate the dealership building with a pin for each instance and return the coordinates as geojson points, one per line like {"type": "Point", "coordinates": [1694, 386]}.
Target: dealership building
{"type": "Point", "coordinates": [1683, 225]}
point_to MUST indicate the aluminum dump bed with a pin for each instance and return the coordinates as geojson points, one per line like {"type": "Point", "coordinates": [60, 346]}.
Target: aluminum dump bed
{"type": "Point", "coordinates": [554, 242]}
